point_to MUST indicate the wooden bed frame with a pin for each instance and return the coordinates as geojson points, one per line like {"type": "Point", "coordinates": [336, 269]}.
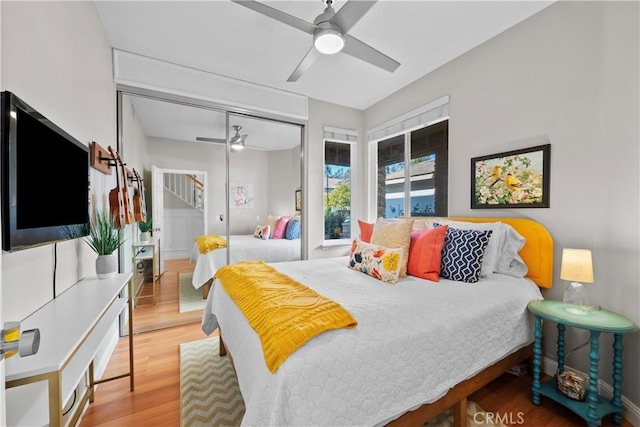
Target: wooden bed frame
{"type": "Point", "coordinates": [537, 254]}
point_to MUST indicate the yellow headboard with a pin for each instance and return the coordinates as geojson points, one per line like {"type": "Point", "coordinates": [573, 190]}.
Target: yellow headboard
{"type": "Point", "coordinates": [537, 252]}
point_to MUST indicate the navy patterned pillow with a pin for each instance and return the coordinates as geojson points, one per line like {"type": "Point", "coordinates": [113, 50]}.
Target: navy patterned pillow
{"type": "Point", "coordinates": [462, 254]}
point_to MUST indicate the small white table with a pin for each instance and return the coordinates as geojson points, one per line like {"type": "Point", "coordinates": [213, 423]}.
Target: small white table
{"type": "Point", "coordinates": [72, 327]}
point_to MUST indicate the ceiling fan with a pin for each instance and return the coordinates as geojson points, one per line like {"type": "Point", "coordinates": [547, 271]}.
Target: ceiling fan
{"type": "Point", "coordinates": [329, 31]}
{"type": "Point", "coordinates": [236, 141]}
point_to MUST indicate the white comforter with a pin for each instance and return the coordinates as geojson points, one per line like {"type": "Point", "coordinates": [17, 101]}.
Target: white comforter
{"type": "Point", "coordinates": [414, 341]}
{"type": "Point", "coordinates": [243, 248]}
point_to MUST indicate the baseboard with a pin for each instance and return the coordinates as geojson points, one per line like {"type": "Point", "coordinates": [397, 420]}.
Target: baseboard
{"type": "Point", "coordinates": [632, 412]}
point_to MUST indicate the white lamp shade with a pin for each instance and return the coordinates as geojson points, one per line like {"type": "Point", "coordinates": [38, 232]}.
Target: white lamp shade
{"type": "Point", "coordinates": [577, 265]}
{"type": "Point", "coordinates": [328, 41]}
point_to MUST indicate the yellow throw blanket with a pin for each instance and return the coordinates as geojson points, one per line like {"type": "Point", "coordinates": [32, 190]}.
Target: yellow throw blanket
{"type": "Point", "coordinates": [284, 312]}
{"type": "Point", "coordinates": [210, 242]}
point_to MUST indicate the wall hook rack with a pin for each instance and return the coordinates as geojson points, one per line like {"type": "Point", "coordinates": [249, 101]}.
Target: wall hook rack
{"type": "Point", "coordinates": [101, 158]}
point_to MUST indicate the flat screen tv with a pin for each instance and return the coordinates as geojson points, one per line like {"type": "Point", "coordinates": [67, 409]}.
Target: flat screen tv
{"type": "Point", "coordinates": [45, 179]}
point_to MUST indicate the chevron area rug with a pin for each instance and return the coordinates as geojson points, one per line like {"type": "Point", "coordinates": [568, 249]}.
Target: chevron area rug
{"type": "Point", "coordinates": [190, 298]}
{"type": "Point", "coordinates": [209, 393]}
{"type": "Point", "coordinates": [210, 396]}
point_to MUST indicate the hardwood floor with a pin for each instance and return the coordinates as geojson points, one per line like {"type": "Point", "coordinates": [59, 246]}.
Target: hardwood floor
{"type": "Point", "coordinates": [163, 312]}
{"type": "Point", "coordinates": [156, 399]}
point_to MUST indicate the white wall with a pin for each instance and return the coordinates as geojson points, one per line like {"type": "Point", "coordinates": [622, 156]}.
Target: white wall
{"type": "Point", "coordinates": [274, 176]}
{"type": "Point", "coordinates": [55, 56]}
{"type": "Point", "coordinates": [570, 76]}
{"type": "Point", "coordinates": [246, 167]}
{"type": "Point", "coordinates": [283, 180]}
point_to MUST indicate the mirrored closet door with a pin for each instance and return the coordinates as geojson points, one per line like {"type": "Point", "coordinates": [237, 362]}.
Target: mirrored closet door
{"type": "Point", "coordinates": [183, 171]}
{"type": "Point", "coordinates": [211, 178]}
{"type": "Point", "coordinates": [264, 181]}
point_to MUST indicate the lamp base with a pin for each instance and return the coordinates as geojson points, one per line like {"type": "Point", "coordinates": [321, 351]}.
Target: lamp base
{"type": "Point", "coordinates": [581, 309]}
{"type": "Point", "coordinates": [576, 295]}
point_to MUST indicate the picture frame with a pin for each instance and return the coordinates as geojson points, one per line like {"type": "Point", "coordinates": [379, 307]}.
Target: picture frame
{"type": "Point", "coordinates": [298, 200]}
{"type": "Point", "coordinates": [241, 196]}
{"type": "Point", "coordinates": [512, 179]}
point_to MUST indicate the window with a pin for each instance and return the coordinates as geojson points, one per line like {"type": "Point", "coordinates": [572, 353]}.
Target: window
{"type": "Point", "coordinates": [337, 189]}
{"type": "Point", "coordinates": [421, 188]}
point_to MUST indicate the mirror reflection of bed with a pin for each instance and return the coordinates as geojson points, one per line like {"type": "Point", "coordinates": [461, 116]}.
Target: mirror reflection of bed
{"type": "Point", "coordinates": [263, 177]}
{"type": "Point", "coordinates": [282, 247]}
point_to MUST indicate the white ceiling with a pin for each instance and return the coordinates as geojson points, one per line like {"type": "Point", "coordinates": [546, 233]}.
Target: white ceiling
{"type": "Point", "coordinates": [228, 39]}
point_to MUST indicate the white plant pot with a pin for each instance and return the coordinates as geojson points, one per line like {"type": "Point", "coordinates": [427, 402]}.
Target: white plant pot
{"type": "Point", "coordinates": [106, 266]}
{"type": "Point", "coordinates": [145, 236]}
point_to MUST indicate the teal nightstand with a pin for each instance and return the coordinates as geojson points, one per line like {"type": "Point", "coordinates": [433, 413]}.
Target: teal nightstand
{"type": "Point", "coordinates": [596, 321]}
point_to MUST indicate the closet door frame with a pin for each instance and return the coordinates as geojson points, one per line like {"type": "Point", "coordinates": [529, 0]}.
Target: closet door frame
{"type": "Point", "coordinates": [123, 89]}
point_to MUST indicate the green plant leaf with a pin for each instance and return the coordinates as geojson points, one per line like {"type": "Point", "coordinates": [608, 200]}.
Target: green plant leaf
{"type": "Point", "coordinates": [104, 237]}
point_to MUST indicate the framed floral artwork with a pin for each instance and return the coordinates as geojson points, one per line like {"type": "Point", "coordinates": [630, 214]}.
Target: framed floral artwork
{"type": "Point", "coordinates": [513, 179]}
{"type": "Point", "coordinates": [298, 200]}
{"type": "Point", "coordinates": [241, 196]}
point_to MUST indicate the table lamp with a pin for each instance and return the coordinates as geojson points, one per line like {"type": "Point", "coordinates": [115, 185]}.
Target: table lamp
{"type": "Point", "coordinates": [577, 267]}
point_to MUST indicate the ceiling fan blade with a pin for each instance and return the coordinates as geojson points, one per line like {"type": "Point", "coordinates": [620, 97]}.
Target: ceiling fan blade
{"type": "Point", "coordinates": [304, 65]}
{"type": "Point", "coordinates": [216, 140]}
{"type": "Point", "coordinates": [360, 50]}
{"type": "Point", "coordinates": [350, 13]}
{"type": "Point", "coordinates": [285, 18]}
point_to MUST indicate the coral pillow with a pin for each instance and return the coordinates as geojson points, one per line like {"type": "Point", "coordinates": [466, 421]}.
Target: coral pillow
{"type": "Point", "coordinates": [366, 229]}
{"type": "Point", "coordinates": [377, 261]}
{"type": "Point", "coordinates": [281, 227]}
{"type": "Point", "coordinates": [425, 253]}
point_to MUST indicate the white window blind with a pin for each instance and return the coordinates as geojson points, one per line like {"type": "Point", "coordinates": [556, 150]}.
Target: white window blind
{"type": "Point", "coordinates": [430, 113]}
{"type": "Point", "coordinates": [341, 135]}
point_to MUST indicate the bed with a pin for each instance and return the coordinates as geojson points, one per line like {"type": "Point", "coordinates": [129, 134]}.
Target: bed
{"type": "Point", "coordinates": [419, 348]}
{"type": "Point", "coordinates": [243, 247]}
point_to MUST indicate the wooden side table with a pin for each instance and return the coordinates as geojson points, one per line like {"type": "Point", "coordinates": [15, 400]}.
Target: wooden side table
{"type": "Point", "coordinates": [595, 407]}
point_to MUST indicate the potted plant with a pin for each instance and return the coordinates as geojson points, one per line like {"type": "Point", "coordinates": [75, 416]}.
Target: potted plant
{"type": "Point", "coordinates": [105, 238]}
{"type": "Point", "coordinates": [145, 228]}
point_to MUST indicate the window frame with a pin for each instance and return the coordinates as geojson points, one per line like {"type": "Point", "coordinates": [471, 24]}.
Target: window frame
{"type": "Point", "coordinates": [348, 137]}
{"type": "Point", "coordinates": [373, 165]}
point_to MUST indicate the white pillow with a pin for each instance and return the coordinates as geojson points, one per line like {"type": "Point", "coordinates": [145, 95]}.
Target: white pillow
{"type": "Point", "coordinates": [492, 251]}
{"type": "Point", "coordinates": [271, 221]}
{"type": "Point", "coordinates": [509, 262]}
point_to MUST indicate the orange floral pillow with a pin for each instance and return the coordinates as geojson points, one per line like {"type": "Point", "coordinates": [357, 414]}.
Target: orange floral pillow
{"type": "Point", "coordinates": [376, 261]}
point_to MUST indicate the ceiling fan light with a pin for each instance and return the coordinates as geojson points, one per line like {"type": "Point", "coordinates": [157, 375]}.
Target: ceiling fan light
{"type": "Point", "coordinates": [328, 41]}
{"type": "Point", "coordinates": [237, 146]}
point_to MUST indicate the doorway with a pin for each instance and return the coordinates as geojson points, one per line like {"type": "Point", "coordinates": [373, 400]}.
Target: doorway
{"type": "Point", "coordinates": [179, 206]}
